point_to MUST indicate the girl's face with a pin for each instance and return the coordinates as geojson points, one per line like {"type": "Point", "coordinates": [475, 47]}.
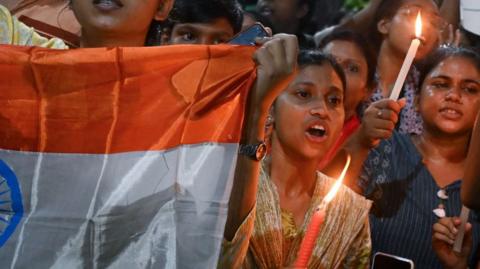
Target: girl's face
{"type": "Point", "coordinates": [450, 97]}
{"type": "Point", "coordinates": [119, 17]}
{"type": "Point", "coordinates": [309, 114]}
{"type": "Point", "coordinates": [399, 31]}
{"type": "Point", "coordinates": [354, 64]}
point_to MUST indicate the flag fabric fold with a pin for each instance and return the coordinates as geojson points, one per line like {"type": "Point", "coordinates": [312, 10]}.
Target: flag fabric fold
{"type": "Point", "coordinates": [118, 157]}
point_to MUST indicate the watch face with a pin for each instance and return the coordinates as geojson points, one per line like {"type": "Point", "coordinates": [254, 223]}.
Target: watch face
{"type": "Point", "coordinates": [261, 151]}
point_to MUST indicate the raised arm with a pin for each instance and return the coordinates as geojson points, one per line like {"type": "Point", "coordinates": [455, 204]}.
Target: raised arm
{"type": "Point", "coordinates": [471, 182]}
{"type": "Point", "coordinates": [450, 12]}
{"type": "Point", "coordinates": [378, 123]}
{"type": "Point", "coordinates": [360, 22]}
{"type": "Point", "coordinates": [276, 61]}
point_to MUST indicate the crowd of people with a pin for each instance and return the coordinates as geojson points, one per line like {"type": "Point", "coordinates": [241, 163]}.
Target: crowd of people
{"type": "Point", "coordinates": [321, 94]}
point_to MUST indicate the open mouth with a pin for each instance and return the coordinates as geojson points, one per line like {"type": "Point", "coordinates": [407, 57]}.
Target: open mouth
{"type": "Point", "coordinates": [317, 131]}
{"type": "Point", "coordinates": [107, 5]}
{"type": "Point", "coordinates": [451, 113]}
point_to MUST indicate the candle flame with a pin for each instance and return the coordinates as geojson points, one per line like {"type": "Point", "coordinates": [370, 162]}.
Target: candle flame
{"type": "Point", "coordinates": [418, 25]}
{"type": "Point", "coordinates": [333, 191]}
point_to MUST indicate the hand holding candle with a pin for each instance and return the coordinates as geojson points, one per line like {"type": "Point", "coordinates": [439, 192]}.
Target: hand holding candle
{"type": "Point", "coordinates": [313, 229]}
{"type": "Point", "coordinates": [457, 246]}
{"type": "Point", "coordinates": [407, 63]}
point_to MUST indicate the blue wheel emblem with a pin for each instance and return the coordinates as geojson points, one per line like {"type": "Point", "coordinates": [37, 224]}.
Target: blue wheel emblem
{"type": "Point", "coordinates": [11, 206]}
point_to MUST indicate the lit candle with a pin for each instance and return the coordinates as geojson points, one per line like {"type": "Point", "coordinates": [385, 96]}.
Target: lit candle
{"type": "Point", "coordinates": [407, 63]}
{"type": "Point", "coordinates": [308, 242]}
{"type": "Point", "coordinates": [457, 245]}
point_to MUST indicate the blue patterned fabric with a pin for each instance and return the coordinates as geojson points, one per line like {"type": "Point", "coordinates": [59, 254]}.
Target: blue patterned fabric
{"type": "Point", "coordinates": [404, 193]}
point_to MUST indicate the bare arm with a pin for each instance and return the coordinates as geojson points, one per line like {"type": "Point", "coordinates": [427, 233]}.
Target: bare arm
{"type": "Point", "coordinates": [450, 12]}
{"type": "Point", "coordinates": [276, 64]}
{"type": "Point", "coordinates": [471, 182]}
{"type": "Point", "coordinates": [360, 22]}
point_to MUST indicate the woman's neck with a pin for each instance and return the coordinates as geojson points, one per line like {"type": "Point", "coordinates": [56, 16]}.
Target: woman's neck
{"type": "Point", "coordinates": [444, 156]}
{"type": "Point", "coordinates": [388, 67]}
{"type": "Point", "coordinates": [350, 113]}
{"type": "Point", "coordinates": [452, 149]}
{"type": "Point", "coordinates": [96, 40]}
{"type": "Point", "coordinates": [445, 149]}
{"type": "Point", "coordinates": [292, 176]}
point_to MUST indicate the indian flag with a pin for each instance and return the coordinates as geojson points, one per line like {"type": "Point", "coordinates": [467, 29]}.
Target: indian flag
{"type": "Point", "coordinates": [118, 157]}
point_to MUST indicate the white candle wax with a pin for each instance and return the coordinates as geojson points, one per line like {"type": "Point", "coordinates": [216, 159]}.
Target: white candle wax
{"type": "Point", "coordinates": [407, 63]}
{"type": "Point", "coordinates": [457, 246]}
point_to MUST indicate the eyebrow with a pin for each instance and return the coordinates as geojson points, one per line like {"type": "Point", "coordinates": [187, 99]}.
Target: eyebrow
{"type": "Point", "coordinates": [441, 77]}
{"type": "Point", "coordinates": [468, 80]}
{"type": "Point", "coordinates": [333, 88]}
{"type": "Point", "coordinates": [304, 83]}
{"type": "Point", "coordinates": [186, 27]}
{"type": "Point", "coordinates": [352, 60]}
{"type": "Point", "coordinates": [192, 26]}
{"type": "Point", "coordinates": [472, 81]}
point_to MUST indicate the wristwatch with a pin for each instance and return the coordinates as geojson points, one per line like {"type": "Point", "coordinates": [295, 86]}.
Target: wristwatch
{"type": "Point", "coordinates": [255, 152]}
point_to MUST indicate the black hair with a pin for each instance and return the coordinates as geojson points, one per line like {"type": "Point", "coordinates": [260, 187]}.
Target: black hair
{"type": "Point", "coordinates": [318, 14]}
{"type": "Point", "coordinates": [327, 13]}
{"type": "Point", "coordinates": [362, 45]}
{"type": "Point", "coordinates": [314, 57]}
{"type": "Point", "coordinates": [386, 10]}
{"type": "Point", "coordinates": [440, 54]}
{"type": "Point", "coordinates": [307, 25]}
{"type": "Point", "coordinates": [205, 11]}
{"type": "Point", "coordinates": [196, 11]}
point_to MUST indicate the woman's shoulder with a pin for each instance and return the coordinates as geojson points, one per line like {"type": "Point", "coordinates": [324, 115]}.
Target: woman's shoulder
{"type": "Point", "coordinates": [14, 32]}
{"type": "Point", "coordinates": [4, 12]}
{"type": "Point", "coordinates": [6, 26]}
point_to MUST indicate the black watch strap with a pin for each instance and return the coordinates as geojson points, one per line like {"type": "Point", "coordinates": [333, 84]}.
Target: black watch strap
{"type": "Point", "coordinates": [255, 152]}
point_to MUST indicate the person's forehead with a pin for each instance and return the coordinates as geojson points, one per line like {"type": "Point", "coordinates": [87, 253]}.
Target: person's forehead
{"type": "Point", "coordinates": [458, 68]}
{"type": "Point", "coordinates": [319, 74]}
{"type": "Point", "coordinates": [427, 5]}
{"type": "Point", "coordinates": [345, 49]}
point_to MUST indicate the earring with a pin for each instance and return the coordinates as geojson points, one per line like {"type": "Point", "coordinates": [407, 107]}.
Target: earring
{"type": "Point", "coordinates": [269, 120]}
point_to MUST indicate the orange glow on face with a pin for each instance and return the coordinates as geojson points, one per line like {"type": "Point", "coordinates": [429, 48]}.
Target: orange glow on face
{"type": "Point", "coordinates": [333, 191]}
{"type": "Point", "coordinates": [418, 25]}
